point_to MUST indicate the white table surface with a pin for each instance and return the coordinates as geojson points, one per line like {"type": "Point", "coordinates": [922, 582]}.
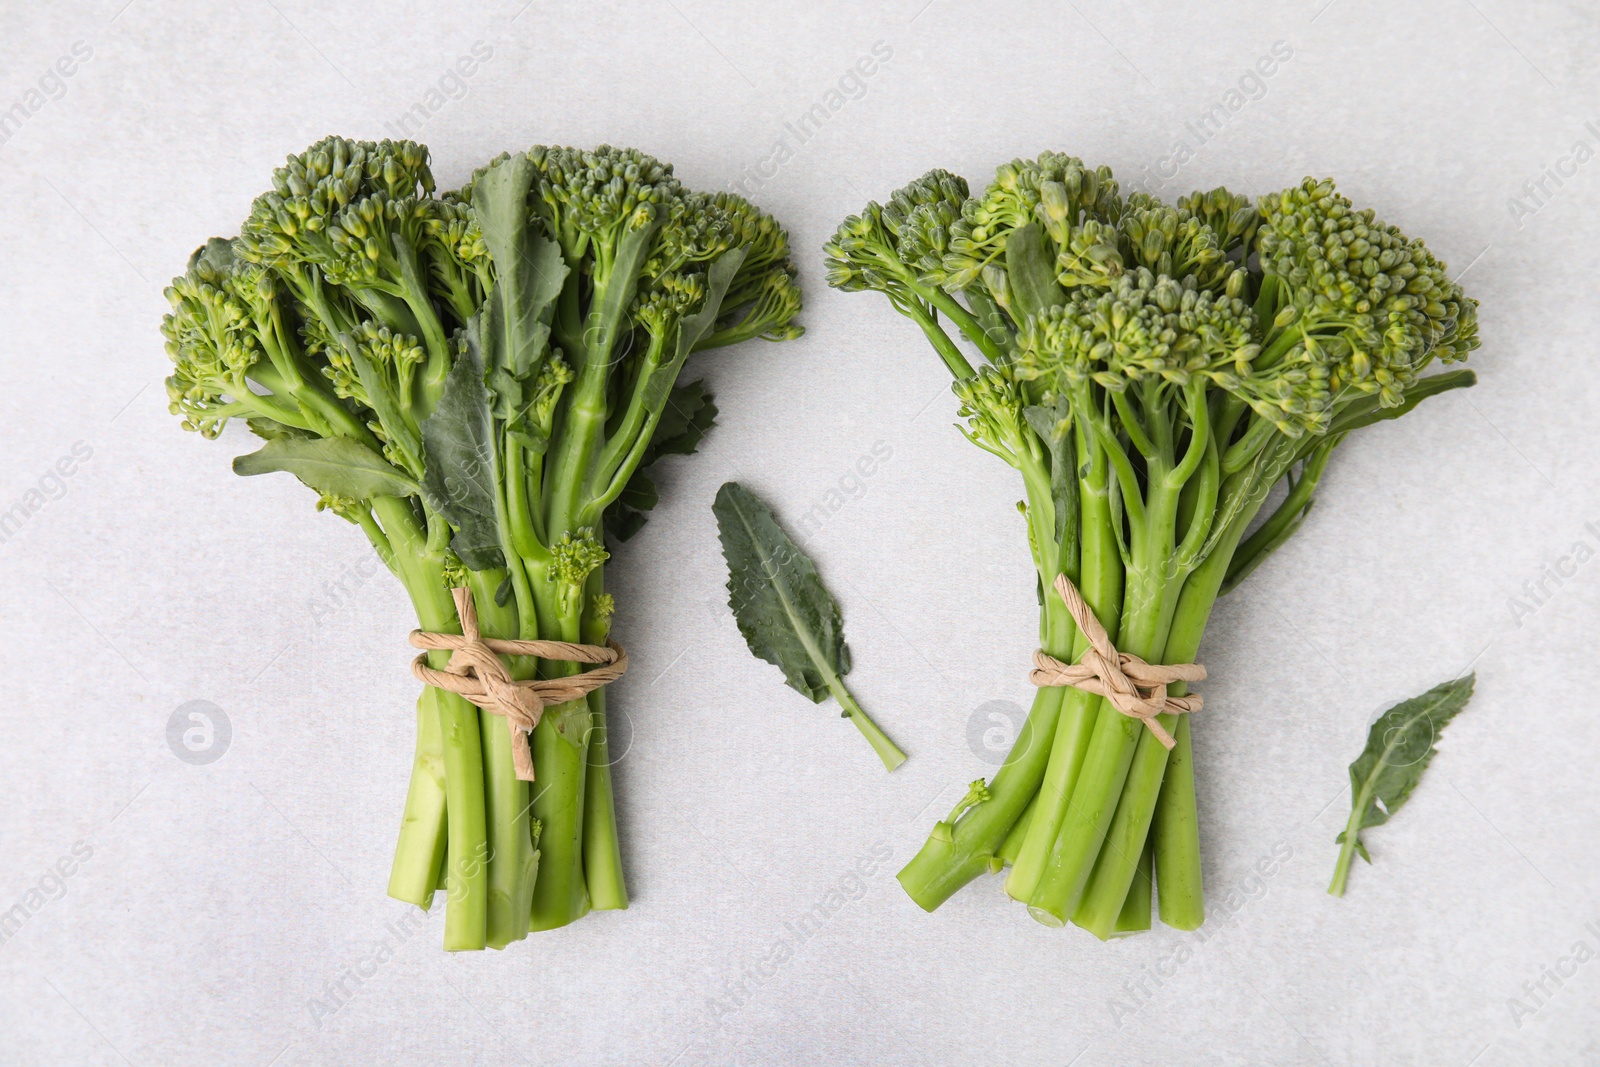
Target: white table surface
{"type": "Point", "coordinates": [217, 901]}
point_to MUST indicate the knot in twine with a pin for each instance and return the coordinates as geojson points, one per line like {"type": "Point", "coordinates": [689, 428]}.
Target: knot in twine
{"type": "Point", "coordinates": [476, 673]}
{"type": "Point", "coordinates": [1135, 688]}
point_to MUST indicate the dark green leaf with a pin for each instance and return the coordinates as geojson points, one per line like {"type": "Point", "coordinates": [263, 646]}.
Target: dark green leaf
{"type": "Point", "coordinates": [1400, 746]}
{"type": "Point", "coordinates": [333, 466]}
{"type": "Point", "coordinates": [689, 413]}
{"type": "Point", "coordinates": [621, 523]}
{"type": "Point", "coordinates": [529, 273]}
{"type": "Point", "coordinates": [1031, 270]}
{"type": "Point", "coordinates": [786, 615]}
{"type": "Point", "coordinates": [640, 495]}
{"type": "Point", "coordinates": [695, 326]}
{"type": "Point", "coordinates": [1054, 427]}
{"type": "Point", "coordinates": [460, 461]}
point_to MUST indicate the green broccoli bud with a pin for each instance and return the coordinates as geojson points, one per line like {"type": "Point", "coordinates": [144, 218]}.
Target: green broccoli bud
{"type": "Point", "coordinates": [977, 793]}
{"type": "Point", "coordinates": [1058, 191]}
{"type": "Point", "coordinates": [1372, 305]}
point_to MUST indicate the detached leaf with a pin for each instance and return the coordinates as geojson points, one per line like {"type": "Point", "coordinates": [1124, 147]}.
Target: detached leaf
{"type": "Point", "coordinates": [1400, 746]}
{"type": "Point", "coordinates": [460, 461]}
{"type": "Point", "coordinates": [333, 466]}
{"type": "Point", "coordinates": [786, 615]}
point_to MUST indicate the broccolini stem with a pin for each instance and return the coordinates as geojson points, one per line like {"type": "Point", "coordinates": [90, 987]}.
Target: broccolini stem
{"type": "Point", "coordinates": [421, 305]}
{"type": "Point", "coordinates": [602, 852]}
{"type": "Point", "coordinates": [1135, 915]}
{"type": "Point", "coordinates": [511, 862]}
{"type": "Point", "coordinates": [419, 852]}
{"type": "Point", "coordinates": [886, 749]}
{"type": "Point", "coordinates": [943, 866]}
{"type": "Point", "coordinates": [1010, 848]}
{"type": "Point", "coordinates": [1175, 837]}
{"type": "Point", "coordinates": [466, 909]}
{"type": "Point", "coordinates": [1131, 825]}
{"type": "Point", "coordinates": [1100, 582]}
{"type": "Point", "coordinates": [560, 894]}
{"type": "Point", "coordinates": [622, 443]}
{"type": "Point", "coordinates": [1148, 601]}
{"type": "Point", "coordinates": [953, 359]}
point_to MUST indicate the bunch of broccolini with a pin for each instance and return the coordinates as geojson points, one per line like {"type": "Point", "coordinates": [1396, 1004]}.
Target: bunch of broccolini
{"type": "Point", "coordinates": [1152, 371]}
{"type": "Point", "coordinates": [476, 379]}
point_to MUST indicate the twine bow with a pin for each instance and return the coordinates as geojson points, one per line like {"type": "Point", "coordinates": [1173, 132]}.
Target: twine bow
{"type": "Point", "coordinates": [1135, 688]}
{"type": "Point", "coordinates": [476, 673]}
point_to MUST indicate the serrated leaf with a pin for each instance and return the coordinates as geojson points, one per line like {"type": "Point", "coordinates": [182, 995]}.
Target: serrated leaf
{"type": "Point", "coordinates": [684, 422]}
{"type": "Point", "coordinates": [783, 610]}
{"type": "Point", "coordinates": [1400, 746]}
{"type": "Point", "coordinates": [529, 270]}
{"type": "Point", "coordinates": [689, 413]}
{"type": "Point", "coordinates": [333, 466]}
{"type": "Point", "coordinates": [460, 461]}
{"type": "Point", "coordinates": [640, 495]}
{"type": "Point", "coordinates": [622, 523]}
{"type": "Point", "coordinates": [514, 323]}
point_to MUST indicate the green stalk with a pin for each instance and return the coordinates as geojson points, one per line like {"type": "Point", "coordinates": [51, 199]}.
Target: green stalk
{"type": "Point", "coordinates": [1182, 895]}
{"type": "Point", "coordinates": [560, 893]}
{"type": "Point", "coordinates": [1352, 836]}
{"type": "Point", "coordinates": [467, 904]}
{"type": "Point", "coordinates": [1135, 915]}
{"type": "Point", "coordinates": [512, 864]}
{"type": "Point", "coordinates": [419, 852]}
{"type": "Point", "coordinates": [1100, 582]}
{"type": "Point", "coordinates": [1105, 765]}
{"type": "Point", "coordinates": [1125, 837]}
{"type": "Point", "coordinates": [1012, 845]}
{"type": "Point", "coordinates": [1148, 602]}
{"type": "Point", "coordinates": [1177, 820]}
{"type": "Point", "coordinates": [943, 866]}
{"type": "Point", "coordinates": [886, 749]}
{"type": "Point", "coordinates": [602, 852]}
{"type": "Point", "coordinates": [1175, 836]}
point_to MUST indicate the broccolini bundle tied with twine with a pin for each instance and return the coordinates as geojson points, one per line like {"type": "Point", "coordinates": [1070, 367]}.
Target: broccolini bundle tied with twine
{"type": "Point", "coordinates": [478, 380]}
{"type": "Point", "coordinates": [1152, 371]}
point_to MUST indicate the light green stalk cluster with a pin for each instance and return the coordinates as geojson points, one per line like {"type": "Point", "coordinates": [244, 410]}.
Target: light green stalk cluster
{"type": "Point", "coordinates": [1152, 371]}
{"type": "Point", "coordinates": [477, 379]}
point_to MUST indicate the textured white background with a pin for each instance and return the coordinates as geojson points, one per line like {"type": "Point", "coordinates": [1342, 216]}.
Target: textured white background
{"type": "Point", "coordinates": [219, 899]}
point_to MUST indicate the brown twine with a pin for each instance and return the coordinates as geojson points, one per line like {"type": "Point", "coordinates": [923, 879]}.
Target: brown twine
{"type": "Point", "coordinates": [1135, 688]}
{"type": "Point", "coordinates": [476, 673]}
